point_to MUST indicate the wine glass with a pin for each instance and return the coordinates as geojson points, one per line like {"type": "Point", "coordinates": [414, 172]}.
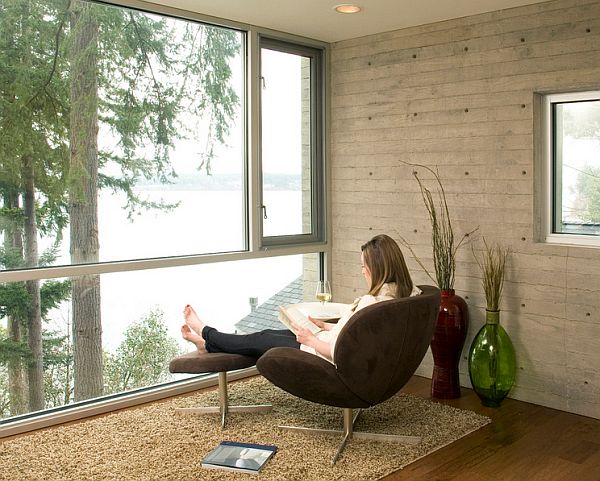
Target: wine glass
{"type": "Point", "coordinates": [323, 292]}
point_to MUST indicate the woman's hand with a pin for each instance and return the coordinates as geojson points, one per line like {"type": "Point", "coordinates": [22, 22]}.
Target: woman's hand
{"type": "Point", "coordinates": [307, 338]}
{"type": "Point", "coordinates": [325, 326]}
{"type": "Point", "coordinates": [304, 336]}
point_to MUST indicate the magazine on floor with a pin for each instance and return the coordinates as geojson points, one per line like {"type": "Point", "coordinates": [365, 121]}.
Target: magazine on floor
{"type": "Point", "coordinates": [236, 456]}
{"type": "Point", "coordinates": [298, 314]}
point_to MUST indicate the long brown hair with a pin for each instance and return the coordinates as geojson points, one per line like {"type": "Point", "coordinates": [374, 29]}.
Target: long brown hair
{"type": "Point", "coordinates": [383, 257]}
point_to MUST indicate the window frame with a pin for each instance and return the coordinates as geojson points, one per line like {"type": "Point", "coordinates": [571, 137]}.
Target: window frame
{"type": "Point", "coordinates": [317, 152]}
{"type": "Point", "coordinates": [548, 211]}
{"type": "Point", "coordinates": [255, 246]}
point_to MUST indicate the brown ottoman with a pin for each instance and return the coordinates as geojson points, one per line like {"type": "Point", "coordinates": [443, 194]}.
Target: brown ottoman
{"type": "Point", "coordinates": [221, 363]}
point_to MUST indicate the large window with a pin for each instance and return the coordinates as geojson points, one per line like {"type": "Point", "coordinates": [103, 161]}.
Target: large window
{"type": "Point", "coordinates": [571, 207]}
{"type": "Point", "coordinates": [141, 318]}
{"type": "Point", "coordinates": [136, 176]}
{"type": "Point", "coordinates": [130, 131]}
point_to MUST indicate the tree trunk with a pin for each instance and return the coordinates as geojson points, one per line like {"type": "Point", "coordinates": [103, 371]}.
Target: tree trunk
{"type": "Point", "coordinates": [35, 368]}
{"type": "Point", "coordinates": [83, 202]}
{"type": "Point", "coordinates": [17, 388]}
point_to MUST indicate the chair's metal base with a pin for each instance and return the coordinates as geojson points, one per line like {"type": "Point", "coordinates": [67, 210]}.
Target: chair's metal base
{"type": "Point", "coordinates": [224, 408]}
{"type": "Point", "coordinates": [349, 433]}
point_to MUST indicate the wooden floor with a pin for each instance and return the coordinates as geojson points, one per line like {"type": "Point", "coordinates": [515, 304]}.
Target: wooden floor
{"type": "Point", "coordinates": [524, 442]}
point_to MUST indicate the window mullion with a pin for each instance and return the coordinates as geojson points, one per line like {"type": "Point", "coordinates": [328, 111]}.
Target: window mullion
{"type": "Point", "coordinates": [253, 144]}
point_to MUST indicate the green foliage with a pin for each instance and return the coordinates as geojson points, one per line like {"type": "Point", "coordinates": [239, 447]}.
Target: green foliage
{"type": "Point", "coordinates": [14, 300]}
{"type": "Point", "coordinates": [140, 360]}
{"type": "Point", "coordinates": [33, 99]}
{"type": "Point", "coordinates": [58, 362]}
{"type": "Point", "coordinates": [11, 349]}
{"type": "Point", "coordinates": [11, 257]}
{"type": "Point", "coordinates": [58, 369]}
{"type": "Point", "coordinates": [53, 293]}
{"type": "Point", "coordinates": [10, 216]}
{"type": "Point", "coordinates": [142, 357]}
{"type": "Point", "coordinates": [4, 398]}
{"type": "Point", "coordinates": [588, 194]}
{"type": "Point", "coordinates": [134, 201]}
{"type": "Point", "coordinates": [153, 75]}
{"type": "Point", "coordinates": [581, 120]}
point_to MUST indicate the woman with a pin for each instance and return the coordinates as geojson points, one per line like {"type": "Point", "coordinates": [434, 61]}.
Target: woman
{"type": "Point", "coordinates": [386, 274]}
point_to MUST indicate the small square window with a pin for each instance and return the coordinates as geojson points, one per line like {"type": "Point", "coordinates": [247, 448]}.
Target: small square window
{"type": "Point", "coordinates": [571, 166]}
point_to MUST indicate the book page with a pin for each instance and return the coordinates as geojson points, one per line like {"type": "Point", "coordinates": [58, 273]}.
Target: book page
{"type": "Point", "coordinates": [298, 314]}
{"type": "Point", "coordinates": [292, 314]}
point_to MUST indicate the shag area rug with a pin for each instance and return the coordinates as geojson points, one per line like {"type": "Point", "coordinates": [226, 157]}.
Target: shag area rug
{"type": "Point", "coordinates": [154, 443]}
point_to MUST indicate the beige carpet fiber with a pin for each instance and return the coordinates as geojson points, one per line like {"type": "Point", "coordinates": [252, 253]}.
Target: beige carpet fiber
{"type": "Point", "coordinates": [153, 443]}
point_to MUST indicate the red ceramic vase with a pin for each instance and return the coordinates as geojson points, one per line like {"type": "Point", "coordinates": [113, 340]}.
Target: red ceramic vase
{"type": "Point", "coordinates": [447, 344]}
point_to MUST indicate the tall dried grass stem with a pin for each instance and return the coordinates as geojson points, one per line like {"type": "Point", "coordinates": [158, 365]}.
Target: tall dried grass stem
{"type": "Point", "coordinates": [493, 267]}
{"type": "Point", "coordinates": [442, 234]}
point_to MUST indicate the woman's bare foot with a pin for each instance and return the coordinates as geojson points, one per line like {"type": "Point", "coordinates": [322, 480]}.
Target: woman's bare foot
{"type": "Point", "coordinates": [192, 319]}
{"type": "Point", "coordinates": [192, 337]}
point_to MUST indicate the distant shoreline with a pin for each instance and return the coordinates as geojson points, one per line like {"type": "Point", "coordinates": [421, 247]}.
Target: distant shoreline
{"type": "Point", "coordinates": [223, 182]}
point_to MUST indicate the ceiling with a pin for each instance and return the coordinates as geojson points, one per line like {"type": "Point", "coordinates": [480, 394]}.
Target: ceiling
{"type": "Point", "coordinates": [316, 19]}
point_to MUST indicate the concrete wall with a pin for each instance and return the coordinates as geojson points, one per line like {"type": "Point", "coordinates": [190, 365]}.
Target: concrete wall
{"type": "Point", "coordinates": [459, 95]}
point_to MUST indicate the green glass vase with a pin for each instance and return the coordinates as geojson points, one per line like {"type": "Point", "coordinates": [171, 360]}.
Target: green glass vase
{"type": "Point", "coordinates": [492, 362]}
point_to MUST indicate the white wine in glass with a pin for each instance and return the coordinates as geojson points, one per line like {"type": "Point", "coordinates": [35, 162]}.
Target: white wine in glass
{"type": "Point", "coordinates": [323, 292]}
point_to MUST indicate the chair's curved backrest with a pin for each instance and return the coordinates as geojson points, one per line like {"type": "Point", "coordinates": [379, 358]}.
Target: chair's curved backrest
{"type": "Point", "coordinates": [382, 345]}
{"type": "Point", "coordinates": [376, 353]}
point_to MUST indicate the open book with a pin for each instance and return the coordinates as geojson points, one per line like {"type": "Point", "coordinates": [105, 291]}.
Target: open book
{"type": "Point", "coordinates": [234, 456]}
{"type": "Point", "coordinates": [298, 314]}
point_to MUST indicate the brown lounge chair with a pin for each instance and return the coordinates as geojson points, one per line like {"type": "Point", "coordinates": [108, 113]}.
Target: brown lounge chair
{"type": "Point", "coordinates": [376, 353]}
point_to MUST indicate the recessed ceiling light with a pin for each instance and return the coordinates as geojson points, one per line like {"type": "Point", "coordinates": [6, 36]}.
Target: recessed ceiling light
{"type": "Point", "coordinates": [347, 8]}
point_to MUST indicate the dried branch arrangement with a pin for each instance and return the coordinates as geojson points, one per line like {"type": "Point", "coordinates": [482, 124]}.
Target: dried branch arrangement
{"type": "Point", "coordinates": [442, 234]}
{"type": "Point", "coordinates": [493, 266]}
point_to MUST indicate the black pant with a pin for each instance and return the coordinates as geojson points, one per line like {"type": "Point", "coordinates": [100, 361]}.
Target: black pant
{"type": "Point", "coordinates": [255, 344]}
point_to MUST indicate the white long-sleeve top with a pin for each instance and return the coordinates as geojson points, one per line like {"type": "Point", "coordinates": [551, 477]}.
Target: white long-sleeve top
{"type": "Point", "coordinates": [386, 293]}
